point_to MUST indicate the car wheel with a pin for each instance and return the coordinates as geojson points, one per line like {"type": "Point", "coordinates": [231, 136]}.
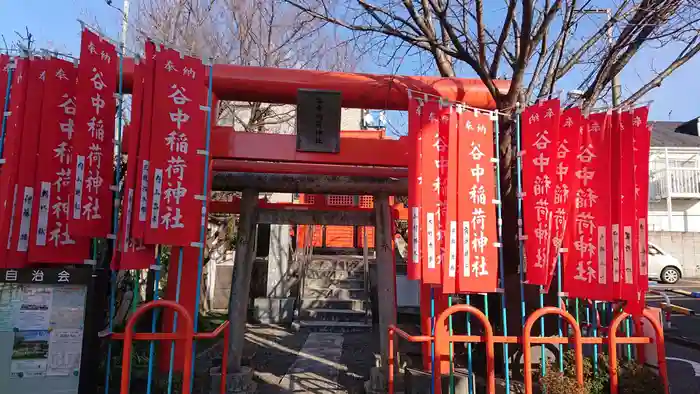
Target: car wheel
{"type": "Point", "coordinates": [670, 275]}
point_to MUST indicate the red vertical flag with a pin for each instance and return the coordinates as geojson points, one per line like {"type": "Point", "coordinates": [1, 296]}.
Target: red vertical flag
{"type": "Point", "coordinates": [131, 253]}
{"type": "Point", "coordinates": [564, 187]}
{"type": "Point", "coordinates": [448, 200]}
{"type": "Point", "coordinates": [11, 151]}
{"type": "Point", "coordinates": [93, 143]}
{"type": "Point", "coordinates": [53, 241]}
{"type": "Point", "coordinates": [588, 272]}
{"type": "Point", "coordinates": [624, 180]}
{"type": "Point", "coordinates": [26, 165]}
{"type": "Point", "coordinates": [415, 107]}
{"type": "Point", "coordinates": [139, 220]}
{"type": "Point", "coordinates": [477, 267]}
{"type": "Point", "coordinates": [177, 154]}
{"type": "Point", "coordinates": [642, 144]}
{"type": "Point", "coordinates": [431, 144]}
{"type": "Point", "coordinates": [539, 130]}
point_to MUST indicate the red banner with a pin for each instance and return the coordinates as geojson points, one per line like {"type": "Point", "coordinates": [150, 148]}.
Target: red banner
{"type": "Point", "coordinates": [131, 253]}
{"type": "Point", "coordinates": [623, 190]}
{"type": "Point", "coordinates": [565, 186]}
{"type": "Point", "coordinates": [93, 143]}
{"type": "Point", "coordinates": [448, 197]}
{"type": "Point", "coordinates": [415, 107]}
{"type": "Point", "coordinates": [477, 268]}
{"type": "Point", "coordinates": [588, 271]}
{"type": "Point", "coordinates": [53, 241]}
{"type": "Point", "coordinates": [430, 191]}
{"type": "Point", "coordinates": [19, 238]}
{"type": "Point", "coordinates": [176, 153]}
{"type": "Point", "coordinates": [139, 220]}
{"type": "Point", "coordinates": [642, 145]}
{"type": "Point", "coordinates": [539, 130]}
{"type": "Point", "coordinates": [11, 150]}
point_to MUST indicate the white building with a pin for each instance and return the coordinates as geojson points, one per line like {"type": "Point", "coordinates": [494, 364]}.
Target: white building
{"type": "Point", "coordinates": [674, 191]}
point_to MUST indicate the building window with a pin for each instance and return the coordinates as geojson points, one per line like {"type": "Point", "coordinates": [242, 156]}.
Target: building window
{"type": "Point", "coordinates": [340, 200]}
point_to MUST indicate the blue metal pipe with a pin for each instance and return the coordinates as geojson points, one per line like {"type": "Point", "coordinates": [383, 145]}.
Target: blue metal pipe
{"type": "Point", "coordinates": [177, 299]}
{"type": "Point", "coordinates": [115, 215]}
{"type": "Point", "coordinates": [499, 211]}
{"type": "Point", "coordinates": [518, 170]}
{"type": "Point", "coordinates": [559, 325]}
{"type": "Point", "coordinates": [203, 229]}
{"type": "Point", "coordinates": [151, 344]}
{"type": "Point", "coordinates": [432, 343]}
{"type": "Point", "coordinates": [469, 349]}
{"type": "Point", "coordinates": [6, 105]}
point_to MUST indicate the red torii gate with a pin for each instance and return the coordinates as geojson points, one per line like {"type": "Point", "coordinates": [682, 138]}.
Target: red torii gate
{"type": "Point", "coordinates": [239, 152]}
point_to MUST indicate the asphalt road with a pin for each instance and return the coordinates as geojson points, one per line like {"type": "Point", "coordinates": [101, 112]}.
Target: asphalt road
{"type": "Point", "coordinates": [683, 359]}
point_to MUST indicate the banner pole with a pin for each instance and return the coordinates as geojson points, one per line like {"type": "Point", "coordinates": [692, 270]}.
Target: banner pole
{"type": "Point", "coordinates": [543, 362]}
{"type": "Point", "coordinates": [595, 334]}
{"type": "Point", "coordinates": [432, 343]}
{"type": "Point", "coordinates": [115, 212]}
{"type": "Point", "coordinates": [469, 349]}
{"type": "Point", "coordinates": [518, 171]}
{"type": "Point", "coordinates": [452, 365]}
{"type": "Point", "coordinates": [499, 211]}
{"type": "Point", "coordinates": [152, 344]}
{"type": "Point", "coordinates": [560, 300]}
{"type": "Point", "coordinates": [203, 229]}
{"type": "Point", "coordinates": [180, 258]}
{"type": "Point", "coordinates": [6, 104]}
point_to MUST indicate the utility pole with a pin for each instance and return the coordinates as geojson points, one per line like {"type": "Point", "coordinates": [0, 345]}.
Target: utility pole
{"type": "Point", "coordinates": [616, 87]}
{"type": "Point", "coordinates": [125, 25]}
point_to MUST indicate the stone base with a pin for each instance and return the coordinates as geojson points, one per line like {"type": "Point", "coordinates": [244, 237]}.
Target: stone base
{"type": "Point", "coordinates": [378, 375]}
{"type": "Point", "coordinates": [236, 383]}
{"type": "Point", "coordinates": [420, 382]}
{"type": "Point", "coordinates": [273, 310]}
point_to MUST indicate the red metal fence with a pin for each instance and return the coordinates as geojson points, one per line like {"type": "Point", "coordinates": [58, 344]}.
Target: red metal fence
{"type": "Point", "coordinates": [443, 339]}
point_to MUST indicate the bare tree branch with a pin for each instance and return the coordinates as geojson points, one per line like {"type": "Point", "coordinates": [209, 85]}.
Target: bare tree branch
{"type": "Point", "coordinates": [689, 51]}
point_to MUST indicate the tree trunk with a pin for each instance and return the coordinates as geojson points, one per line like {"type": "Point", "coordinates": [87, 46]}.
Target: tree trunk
{"type": "Point", "coordinates": [509, 201]}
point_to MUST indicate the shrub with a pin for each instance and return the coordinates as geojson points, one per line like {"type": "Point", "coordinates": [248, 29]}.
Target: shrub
{"type": "Point", "coordinates": [632, 377]}
{"type": "Point", "coordinates": [558, 383]}
{"type": "Point", "coordinates": [639, 379]}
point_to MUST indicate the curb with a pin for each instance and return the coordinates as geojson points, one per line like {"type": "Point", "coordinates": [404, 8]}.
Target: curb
{"type": "Point", "coordinates": [683, 341]}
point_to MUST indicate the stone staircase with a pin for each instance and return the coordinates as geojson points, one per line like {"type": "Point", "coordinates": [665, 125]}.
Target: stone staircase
{"type": "Point", "coordinates": [334, 295]}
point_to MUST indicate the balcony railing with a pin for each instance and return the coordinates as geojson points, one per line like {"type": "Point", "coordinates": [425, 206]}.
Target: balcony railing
{"type": "Point", "coordinates": [674, 183]}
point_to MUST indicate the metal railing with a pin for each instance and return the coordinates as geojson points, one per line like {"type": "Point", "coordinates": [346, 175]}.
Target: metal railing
{"type": "Point", "coordinates": [185, 334]}
{"type": "Point", "coordinates": [675, 182]}
{"type": "Point", "coordinates": [442, 336]}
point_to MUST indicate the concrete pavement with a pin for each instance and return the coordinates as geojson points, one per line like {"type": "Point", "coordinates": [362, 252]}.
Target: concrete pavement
{"type": "Point", "coordinates": [683, 360]}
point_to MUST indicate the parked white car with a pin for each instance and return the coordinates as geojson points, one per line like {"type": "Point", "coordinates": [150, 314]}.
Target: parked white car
{"type": "Point", "coordinates": [663, 267]}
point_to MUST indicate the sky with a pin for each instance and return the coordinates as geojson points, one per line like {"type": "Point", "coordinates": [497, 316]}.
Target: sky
{"type": "Point", "coordinates": [54, 25]}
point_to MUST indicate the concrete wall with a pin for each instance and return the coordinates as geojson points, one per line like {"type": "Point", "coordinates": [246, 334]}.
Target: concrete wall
{"type": "Point", "coordinates": [685, 215]}
{"type": "Point", "coordinates": [685, 246]}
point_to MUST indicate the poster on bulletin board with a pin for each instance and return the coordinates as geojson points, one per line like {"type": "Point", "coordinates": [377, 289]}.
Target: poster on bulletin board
{"type": "Point", "coordinates": [42, 315]}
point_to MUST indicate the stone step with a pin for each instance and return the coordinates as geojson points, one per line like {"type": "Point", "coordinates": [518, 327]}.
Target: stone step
{"type": "Point", "coordinates": [334, 274]}
{"type": "Point", "coordinates": [335, 315]}
{"type": "Point", "coordinates": [331, 326]}
{"type": "Point", "coordinates": [334, 303]}
{"type": "Point", "coordinates": [355, 284]}
{"type": "Point", "coordinates": [337, 293]}
{"type": "Point", "coordinates": [326, 263]}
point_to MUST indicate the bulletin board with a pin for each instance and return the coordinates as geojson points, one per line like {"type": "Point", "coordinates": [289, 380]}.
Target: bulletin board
{"type": "Point", "coordinates": [42, 317]}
